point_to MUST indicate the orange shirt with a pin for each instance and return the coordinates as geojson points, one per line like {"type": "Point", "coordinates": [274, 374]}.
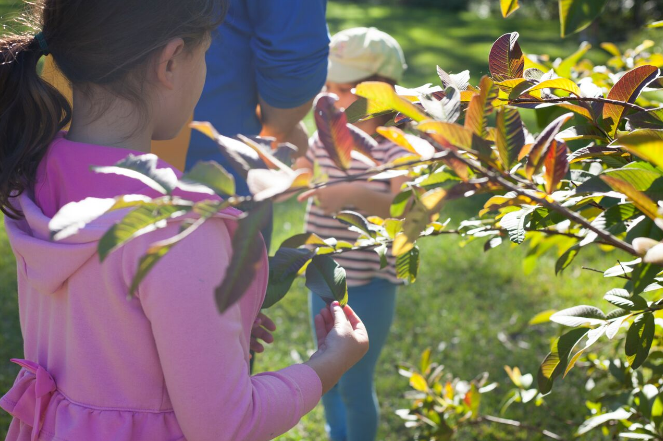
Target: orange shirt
{"type": "Point", "coordinates": [172, 151]}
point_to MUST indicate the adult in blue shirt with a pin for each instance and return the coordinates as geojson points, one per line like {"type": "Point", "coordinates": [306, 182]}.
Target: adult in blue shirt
{"type": "Point", "coordinates": [265, 66]}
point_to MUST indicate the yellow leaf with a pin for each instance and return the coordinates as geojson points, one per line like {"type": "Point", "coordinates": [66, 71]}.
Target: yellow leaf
{"type": "Point", "coordinates": [466, 95]}
{"type": "Point", "coordinates": [205, 128]}
{"type": "Point", "coordinates": [612, 49]}
{"type": "Point", "coordinates": [645, 143]}
{"type": "Point", "coordinates": [514, 374]}
{"type": "Point", "coordinates": [385, 95]}
{"type": "Point", "coordinates": [433, 199]}
{"type": "Point", "coordinates": [509, 7]}
{"type": "Point", "coordinates": [557, 83]}
{"type": "Point", "coordinates": [418, 382]}
{"type": "Point", "coordinates": [639, 199]}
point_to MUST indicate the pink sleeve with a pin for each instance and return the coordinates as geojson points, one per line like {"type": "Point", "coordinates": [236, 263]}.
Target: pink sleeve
{"type": "Point", "coordinates": [205, 355]}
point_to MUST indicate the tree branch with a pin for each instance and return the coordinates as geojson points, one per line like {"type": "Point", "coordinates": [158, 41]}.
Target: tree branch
{"type": "Point", "coordinates": [579, 99]}
{"type": "Point", "coordinates": [520, 425]}
{"type": "Point", "coordinates": [498, 178]}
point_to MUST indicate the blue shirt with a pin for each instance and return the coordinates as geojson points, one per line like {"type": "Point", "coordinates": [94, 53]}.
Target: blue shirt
{"type": "Point", "coordinates": [276, 49]}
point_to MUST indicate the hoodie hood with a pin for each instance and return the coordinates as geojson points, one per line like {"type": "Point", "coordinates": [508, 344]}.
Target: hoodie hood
{"type": "Point", "coordinates": [48, 264]}
{"type": "Point", "coordinates": [64, 177]}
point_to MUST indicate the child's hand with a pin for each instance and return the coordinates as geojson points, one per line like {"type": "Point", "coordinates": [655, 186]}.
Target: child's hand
{"type": "Point", "coordinates": [262, 329]}
{"type": "Point", "coordinates": [331, 199]}
{"type": "Point", "coordinates": [342, 342]}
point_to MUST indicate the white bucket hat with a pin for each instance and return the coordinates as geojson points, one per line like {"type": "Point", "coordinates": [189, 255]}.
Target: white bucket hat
{"type": "Point", "coordinates": [359, 53]}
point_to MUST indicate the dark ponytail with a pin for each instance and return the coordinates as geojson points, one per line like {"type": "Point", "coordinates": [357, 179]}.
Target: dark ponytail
{"type": "Point", "coordinates": [31, 114]}
{"type": "Point", "coordinates": [94, 43]}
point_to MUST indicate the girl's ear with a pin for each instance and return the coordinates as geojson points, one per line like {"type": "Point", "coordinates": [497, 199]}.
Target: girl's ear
{"type": "Point", "coordinates": [168, 62]}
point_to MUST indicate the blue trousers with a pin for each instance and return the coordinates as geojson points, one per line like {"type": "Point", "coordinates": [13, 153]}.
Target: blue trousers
{"type": "Point", "coordinates": [351, 407]}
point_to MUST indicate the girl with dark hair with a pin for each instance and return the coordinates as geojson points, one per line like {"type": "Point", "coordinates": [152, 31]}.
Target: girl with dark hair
{"type": "Point", "coordinates": [163, 365]}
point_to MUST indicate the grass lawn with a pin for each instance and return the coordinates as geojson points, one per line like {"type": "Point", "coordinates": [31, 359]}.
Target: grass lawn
{"type": "Point", "coordinates": [469, 306]}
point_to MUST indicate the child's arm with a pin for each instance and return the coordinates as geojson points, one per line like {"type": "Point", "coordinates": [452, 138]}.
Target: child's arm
{"type": "Point", "coordinates": [335, 198]}
{"type": "Point", "coordinates": [205, 355]}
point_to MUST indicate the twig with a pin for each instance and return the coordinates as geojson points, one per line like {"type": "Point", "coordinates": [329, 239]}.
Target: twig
{"type": "Point", "coordinates": [602, 272]}
{"type": "Point", "coordinates": [518, 424]}
{"type": "Point", "coordinates": [580, 99]}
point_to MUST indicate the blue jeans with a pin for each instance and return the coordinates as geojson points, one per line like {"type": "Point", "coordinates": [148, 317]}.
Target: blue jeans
{"type": "Point", "coordinates": [351, 407]}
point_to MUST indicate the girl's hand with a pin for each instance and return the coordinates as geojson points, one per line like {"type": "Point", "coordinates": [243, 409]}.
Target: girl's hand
{"type": "Point", "coordinates": [331, 199]}
{"type": "Point", "coordinates": [262, 329]}
{"type": "Point", "coordinates": [342, 342]}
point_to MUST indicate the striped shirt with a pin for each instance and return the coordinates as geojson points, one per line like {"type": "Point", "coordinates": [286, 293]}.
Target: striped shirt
{"type": "Point", "coordinates": [360, 266]}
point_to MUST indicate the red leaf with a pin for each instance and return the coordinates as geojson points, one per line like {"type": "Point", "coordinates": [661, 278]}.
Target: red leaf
{"type": "Point", "coordinates": [333, 130]}
{"type": "Point", "coordinates": [506, 60]}
{"type": "Point", "coordinates": [627, 90]}
{"type": "Point", "coordinates": [557, 165]}
{"type": "Point", "coordinates": [540, 147]}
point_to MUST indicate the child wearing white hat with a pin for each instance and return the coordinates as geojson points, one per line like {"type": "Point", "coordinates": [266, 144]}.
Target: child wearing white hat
{"type": "Point", "coordinates": [357, 55]}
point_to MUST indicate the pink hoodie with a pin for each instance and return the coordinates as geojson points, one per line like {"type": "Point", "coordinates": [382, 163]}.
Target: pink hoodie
{"type": "Point", "coordinates": [162, 366]}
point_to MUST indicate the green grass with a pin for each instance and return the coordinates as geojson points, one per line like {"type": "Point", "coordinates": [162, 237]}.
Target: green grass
{"type": "Point", "coordinates": [464, 298]}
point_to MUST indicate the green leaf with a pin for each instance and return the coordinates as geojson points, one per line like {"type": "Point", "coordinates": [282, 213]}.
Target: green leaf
{"type": "Point", "coordinates": [508, 7]}
{"type": "Point", "coordinates": [208, 177]}
{"type": "Point", "coordinates": [158, 250]}
{"type": "Point", "coordinates": [506, 60]}
{"type": "Point", "coordinates": [407, 265]}
{"type": "Point", "coordinates": [415, 222]}
{"type": "Point", "coordinates": [393, 227]}
{"type": "Point", "coordinates": [400, 203]}
{"type": "Point", "coordinates": [649, 119]}
{"type": "Point", "coordinates": [144, 168]}
{"type": "Point", "coordinates": [565, 67]}
{"type": "Point", "coordinates": [283, 269]}
{"type": "Point", "coordinates": [576, 15]}
{"type": "Point", "coordinates": [644, 143]}
{"type": "Point", "coordinates": [622, 299]}
{"type": "Point", "coordinates": [515, 222]}
{"type": "Point", "coordinates": [566, 258]}
{"type": "Point", "coordinates": [425, 360]}
{"type": "Point", "coordinates": [579, 316]}
{"type": "Point", "coordinates": [139, 221]}
{"type": "Point", "coordinates": [542, 317]}
{"type": "Point", "coordinates": [581, 131]}
{"type": "Point", "coordinates": [299, 240]}
{"type": "Point", "coordinates": [510, 137]}
{"type": "Point", "coordinates": [74, 216]}
{"type": "Point", "coordinates": [557, 360]}
{"type": "Point", "coordinates": [326, 278]}
{"type": "Point", "coordinates": [146, 263]}
{"type": "Point", "coordinates": [356, 220]}
{"type": "Point", "coordinates": [596, 421]}
{"type": "Point", "coordinates": [248, 251]}
{"type": "Point", "coordinates": [639, 339]}
{"type": "Point", "coordinates": [643, 275]}
{"type": "Point", "coordinates": [627, 90]}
